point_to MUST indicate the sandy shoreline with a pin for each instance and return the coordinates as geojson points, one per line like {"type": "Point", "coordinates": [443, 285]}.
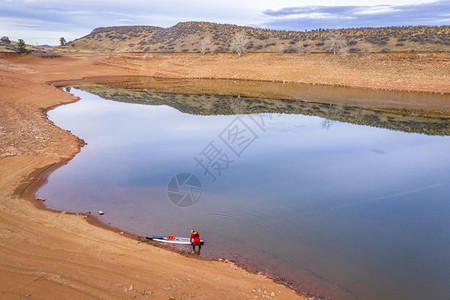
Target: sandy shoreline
{"type": "Point", "coordinates": [45, 253]}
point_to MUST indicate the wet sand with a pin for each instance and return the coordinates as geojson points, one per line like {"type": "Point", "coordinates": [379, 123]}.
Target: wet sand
{"type": "Point", "coordinates": [48, 254]}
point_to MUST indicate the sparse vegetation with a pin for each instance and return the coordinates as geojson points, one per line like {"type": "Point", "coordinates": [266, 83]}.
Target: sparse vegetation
{"type": "Point", "coordinates": [190, 35]}
{"type": "Point", "coordinates": [43, 53]}
{"type": "Point", "coordinates": [305, 49]}
{"type": "Point", "coordinates": [205, 45]}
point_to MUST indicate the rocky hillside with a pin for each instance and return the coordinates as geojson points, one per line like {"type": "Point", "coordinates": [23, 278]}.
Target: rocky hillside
{"type": "Point", "coordinates": [211, 37]}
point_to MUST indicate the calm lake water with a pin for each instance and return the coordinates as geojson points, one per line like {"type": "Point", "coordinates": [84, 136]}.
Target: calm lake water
{"type": "Point", "coordinates": [337, 209]}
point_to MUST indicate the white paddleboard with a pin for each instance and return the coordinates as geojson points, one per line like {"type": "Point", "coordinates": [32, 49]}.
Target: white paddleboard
{"type": "Point", "coordinates": [178, 240]}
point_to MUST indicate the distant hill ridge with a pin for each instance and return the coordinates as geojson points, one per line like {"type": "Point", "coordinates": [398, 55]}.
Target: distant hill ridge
{"type": "Point", "coordinates": [193, 37]}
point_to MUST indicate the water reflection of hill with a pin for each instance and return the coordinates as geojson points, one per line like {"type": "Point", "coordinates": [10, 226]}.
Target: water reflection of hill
{"type": "Point", "coordinates": [210, 104]}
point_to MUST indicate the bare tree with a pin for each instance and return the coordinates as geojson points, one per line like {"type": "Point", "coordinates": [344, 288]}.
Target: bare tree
{"type": "Point", "coordinates": [205, 45]}
{"type": "Point", "coordinates": [38, 51]}
{"type": "Point", "coordinates": [365, 51]}
{"type": "Point", "coordinates": [333, 112]}
{"type": "Point", "coordinates": [326, 124]}
{"type": "Point", "coordinates": [343, 52]}
{"type": "Point", "coordinates": [337, 42]}
{"type": "Point", "coordinates": [239, 43]}
{"type": "Point", "coordinates": [305, 49]}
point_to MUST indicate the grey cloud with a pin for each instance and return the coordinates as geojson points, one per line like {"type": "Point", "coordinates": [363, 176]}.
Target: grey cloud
{"type": "Point", "coordinates": [299, 18]}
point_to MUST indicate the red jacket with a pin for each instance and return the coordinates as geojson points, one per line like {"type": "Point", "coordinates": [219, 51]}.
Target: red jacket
{"type": "Point", "coordinates": [195, 238]}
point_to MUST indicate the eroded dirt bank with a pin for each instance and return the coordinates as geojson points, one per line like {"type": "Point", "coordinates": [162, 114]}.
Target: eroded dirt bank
{"type": "Point", "coordinates": [388, 71]}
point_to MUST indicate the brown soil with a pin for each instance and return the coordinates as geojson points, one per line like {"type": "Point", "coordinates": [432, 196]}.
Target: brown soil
{"type": "Point", "coordinates": [56, 255]}
{"type": "Point", "coordinates": [391, 71]}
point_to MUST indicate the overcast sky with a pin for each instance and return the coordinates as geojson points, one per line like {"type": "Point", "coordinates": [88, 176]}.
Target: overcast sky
{"type": "Point", "coordinates": [45, 21]}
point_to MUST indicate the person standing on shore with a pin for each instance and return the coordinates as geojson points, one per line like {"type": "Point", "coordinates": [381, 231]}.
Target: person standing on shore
{"type": "Point", "coordinates": [195, 239]}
